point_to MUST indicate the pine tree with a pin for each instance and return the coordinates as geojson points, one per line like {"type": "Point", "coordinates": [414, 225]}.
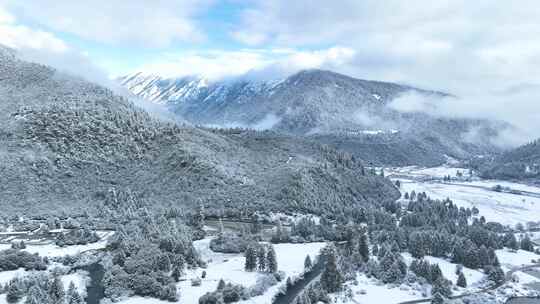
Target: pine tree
{"type": "Point", "coordinates": [251, 258]}
{"type": "Point", "coordinates": [221, 285]}
{"type": "Point", "coordinates": [72, 295]}
{"type": "Point", "coordinates": [510, 241]}
{"type": "Point", "coordinates": [14, 291]}
{"type": "Point", "coordinates": [437, 299]}
{"type": "Point", "coordinates": [307, 263]}
{"type": "Point", "coordinates": [170, 293]}
{"type": "Point", "coordinates": [261, 258]}
{"type": "Point", "coordinates": [526, 244]}
{"type": "Point", "coordinates": [331, 279]}
{"type": "Point", "coordinates": [176, 273]}
{"type": "Point", "coordinates": [461, 281]}
{"type": "Point", "coordinates": [363, 247]}
{"type": "Point", "coordinates": [442, 286]}
{"type": "Point", "coordinates": [271, 260]}
{"type": "Point", "coordinates": [36, 295]}
{"type": "Point", "coordinates": [56, 291]}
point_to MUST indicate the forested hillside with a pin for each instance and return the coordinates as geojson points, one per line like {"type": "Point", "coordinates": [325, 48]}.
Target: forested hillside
{"type": "Point", "coordinates": [66, 142]}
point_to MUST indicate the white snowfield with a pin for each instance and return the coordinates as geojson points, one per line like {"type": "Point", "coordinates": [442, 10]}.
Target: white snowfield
{"type": "Point", "coordinates": [512, 259]}
{"type": "Point", "coordinates": [371, 291]}
{"type": "Point", "coordinates": [473, 277]}
{"type": "Point", "coordinates": [230, 268]}
{"type": "Point", "coordinates": [505, 208]}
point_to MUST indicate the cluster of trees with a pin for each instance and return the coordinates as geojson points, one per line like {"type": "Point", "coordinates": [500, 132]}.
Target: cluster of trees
{"type": "Point", "coordinates": [12, 259]}
{"type": "Point", "coordinates": [148, 253]}
{"type": "Point", "coordinates": [42, 289]}
{"type": "Point", "coordinates": [225, 293]}
{"type": "Point", "coordinates": [261, 257]}
{"type": "Point", "coordinates": [81, 236]}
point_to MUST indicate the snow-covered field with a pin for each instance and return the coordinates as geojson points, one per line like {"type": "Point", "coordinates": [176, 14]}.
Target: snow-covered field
{"type": "Point", "coordinates": [371, 291]}
{"type": "Point", "coordinates": [510, 259]}
{"type": "Point", "coordinates": [505, 208]}
{"type": "Point", "coordinates": [449, 269]}
{"type": "Point", "coordinates": [51, 250]}
{"type": "Point", "coordinates": [230, 268]}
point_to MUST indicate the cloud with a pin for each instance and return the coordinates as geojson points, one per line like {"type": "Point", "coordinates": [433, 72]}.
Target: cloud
{"type": "Point", "coordinates": [457, 46]}
{"type": "Point", "coordinates": [476, 50]}
{"type": "Point", "coordinates": [19, 36]}
{"type": "Point", "coordinates": [132, 22]}
{"type": "Point", "coordinates": [252, 63]}
{"type": "Point", "coordinates": [516, 107]}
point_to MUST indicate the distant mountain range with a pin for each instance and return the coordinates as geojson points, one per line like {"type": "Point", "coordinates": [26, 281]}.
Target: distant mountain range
{"type": "Point", "coordinates": [66, 143]}
{"type": "Point", "coordinates": [351, 114]}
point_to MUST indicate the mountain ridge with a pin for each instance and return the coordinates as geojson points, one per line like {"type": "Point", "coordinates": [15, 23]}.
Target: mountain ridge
{"type": "Point", "coordinates": [324, 105]}
{"type": "Point", "coordinates": [65, 143]}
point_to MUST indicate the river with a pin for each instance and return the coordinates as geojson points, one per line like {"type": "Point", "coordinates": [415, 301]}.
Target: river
{"type": "Point", "coordinates": [95, 291]}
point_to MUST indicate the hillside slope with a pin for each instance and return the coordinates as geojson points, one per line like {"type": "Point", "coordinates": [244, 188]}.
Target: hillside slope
{"type": "Point", "coordinates": [65, 143]}
{"type": "Point", "coordinates": [519, 163]}
{"type": "Point", "coordinates": [352, 114]}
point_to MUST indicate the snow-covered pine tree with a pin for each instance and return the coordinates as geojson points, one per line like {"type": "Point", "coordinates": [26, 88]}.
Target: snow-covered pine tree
{"type": "Point", "coordinates": [251, 258]}
{"type": "Point", "coordinates": [36, 295]}
{"type": "Point", "coordinates": [331, 278]}
{"type": "Point", "coordinates": [261, 258]}
{"type": "Point", "coordinates": [56, 291]}
{"type": "Point", "coordinates": [363, 246]}
{"type": "Point", "coordinates": [461, 281]}
{"type": "Point", "coordinates": [271, 260]}
{"type": "Point", "coordinates": [14, 291]}
{"type": "Point", "coordinates": [72, 295]}
{"type": "Point", "coordinates": [307, 263]}
{"type": "Point", "coordinates": [526, 244]}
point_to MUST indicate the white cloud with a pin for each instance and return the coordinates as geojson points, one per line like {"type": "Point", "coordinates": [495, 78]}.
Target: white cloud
{"type": "Point", "coordinates": [473, 49]}
{"type": "Point", "coordinates": [259, 63]}
{"type": "Point", "coordinates": [517, 107]}
{"type": "Point", "coordinates": [133, 22]}
{"type": "Point", "coordinates": [21, 37]}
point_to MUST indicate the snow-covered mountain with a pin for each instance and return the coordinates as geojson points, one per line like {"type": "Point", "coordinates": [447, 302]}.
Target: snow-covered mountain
{"type": "Point", "coordinates": [352, 114]}
{"type": "Point", "coordinates": [66, 143]}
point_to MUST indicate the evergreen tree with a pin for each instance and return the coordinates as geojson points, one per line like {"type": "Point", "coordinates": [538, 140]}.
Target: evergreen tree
{"type": "Point", "coordinates": [526, 244]}
{"type": "Point", "coordinates": [442, 286]}
{"type": "Point", "coordinates": [331, 279]}
{"type": "Point", "coordinates": [271, 260]}
{"type": "Point", "coordinates": [221, 285]}
{"type": "Point", "coordinates": [307, 263]}
{"type": "Point", "coordinates": [56, 291]}
{"type": "Point", "coordinates": [36, 295]}
{"type": "Point", "coordinates": [495, 274]}
{"type": "Point", "coordinates": [72, 295]}
{"type": "Point", "coordinates": [251, 258]}
{"type": "Point", "coordinates": [461, 281]}
{"type": "Point", "coordinates": [510, 241]}
{"type": "Point", "coordinates": [14, 291]}
{"type": "Point", "coordinates": [261, 258]}
{"type": "Point", "coordinates": [437, 299]}
{"type": "Point", "coordinates": [176, 273]}
{"type": "Point", "coordinates": [363, 247]}
{"type": "Point", "coordinates": [170, 293]}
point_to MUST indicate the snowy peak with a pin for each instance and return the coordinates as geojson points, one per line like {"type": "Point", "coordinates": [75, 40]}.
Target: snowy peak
{"type": "Point", "coordinates": [174, 91]}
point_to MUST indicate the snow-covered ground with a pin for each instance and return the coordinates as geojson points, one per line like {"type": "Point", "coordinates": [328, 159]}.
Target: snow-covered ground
{"type": "Point", "coordinates": [372, 291]}
{"type": "Point", "coordinates": [505, 208]}
{"type": "Point", "coordinates": [80, 279]}
{"type": "Point", "coordinates": [474, 277]}
{"type": "Point", "coordinates": [512, 259]}
{"type": "Point", "coordinates": [230, 268]}
{"type": "Point", "coordinates": [51, 250]}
